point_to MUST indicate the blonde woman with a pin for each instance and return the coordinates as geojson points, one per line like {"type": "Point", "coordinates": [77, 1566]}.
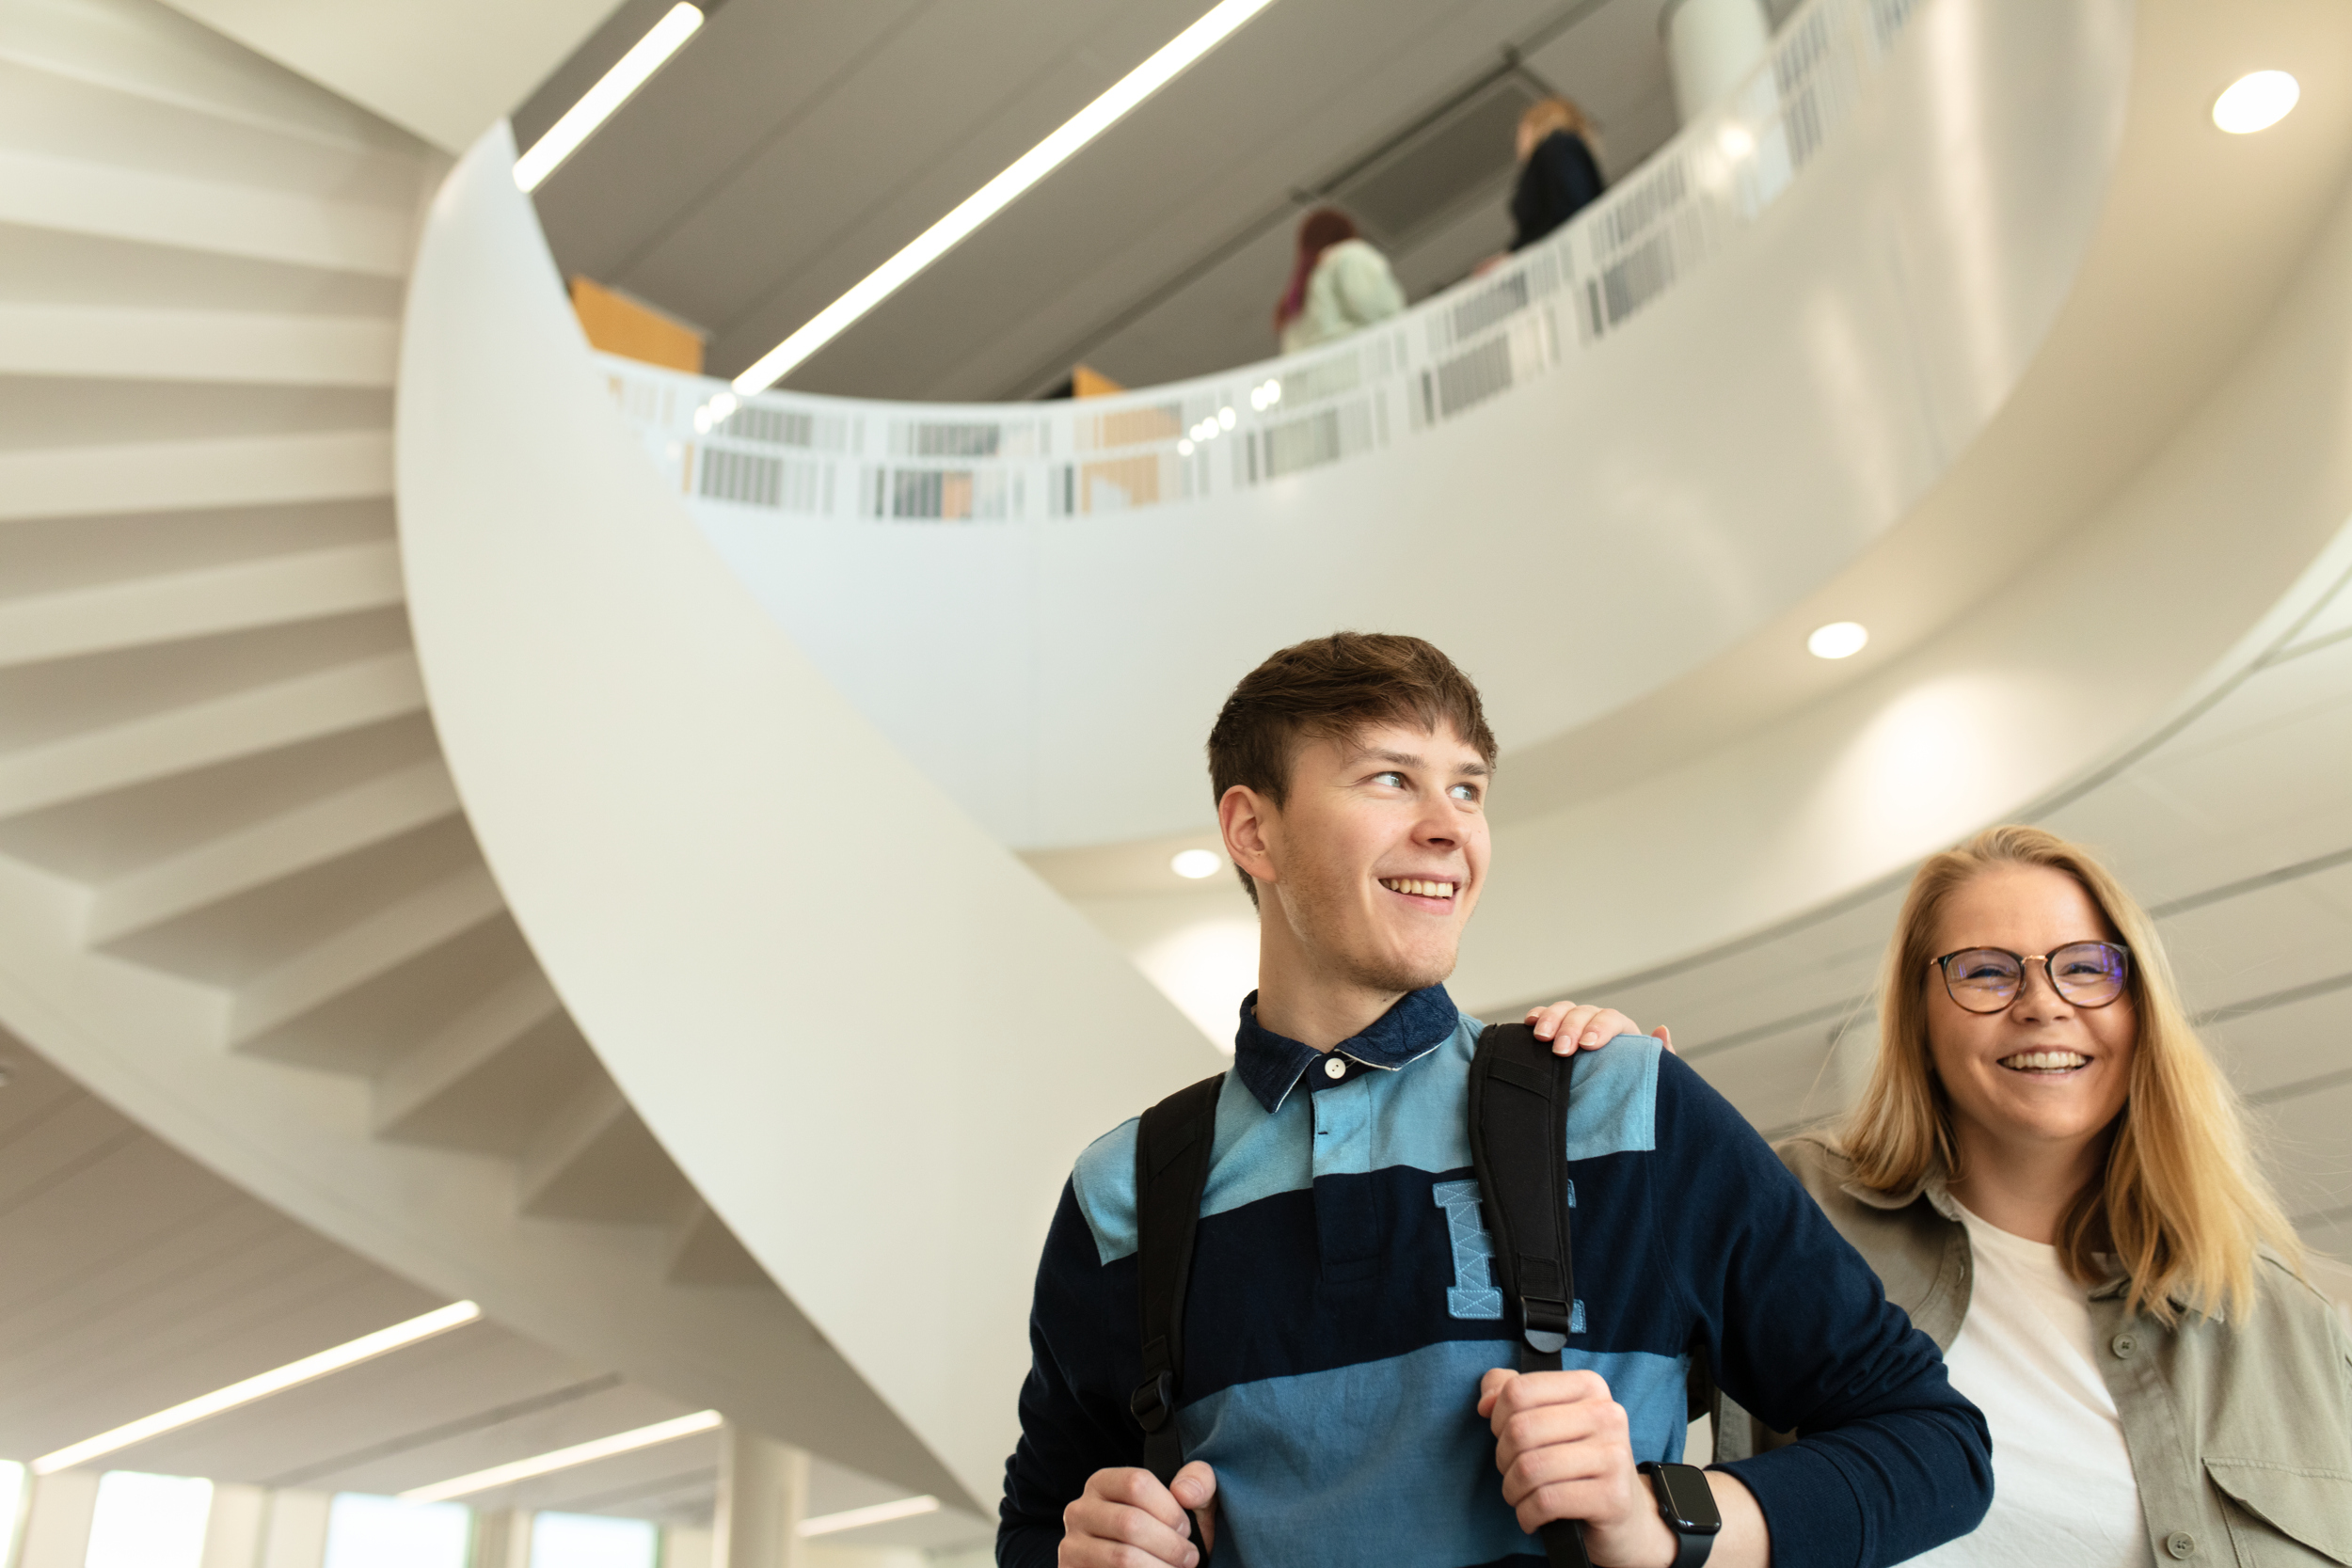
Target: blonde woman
{"type": "Point", "coordinates": [2051, 1176]}
{"type": "Point", "coordinates": [1559, 170]}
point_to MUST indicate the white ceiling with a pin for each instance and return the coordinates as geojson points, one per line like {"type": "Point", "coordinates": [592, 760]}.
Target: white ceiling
{"type": "Point", "coordinates": [2233, 826]}
{"type": "Point", "coordinates": [791, 149]}
{"type": "Point", "coordinates": [135, 1279]}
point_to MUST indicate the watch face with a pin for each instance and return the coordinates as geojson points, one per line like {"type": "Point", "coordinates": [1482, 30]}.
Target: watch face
{"type": "Point", "coordinates": [1689, 1501]}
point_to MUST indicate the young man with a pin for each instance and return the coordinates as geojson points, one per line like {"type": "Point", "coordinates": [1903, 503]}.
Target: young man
{"type": "Point", "coordinates": [1347, 1397]}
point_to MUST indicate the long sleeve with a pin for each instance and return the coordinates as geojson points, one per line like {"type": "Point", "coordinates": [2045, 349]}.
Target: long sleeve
{"type": "Point", "coordinates": [1889, 1461]}
{"type": "Point", "coordinates": [1366, 286]}
{"type": "Point", "coordinates": [1082, 1328]}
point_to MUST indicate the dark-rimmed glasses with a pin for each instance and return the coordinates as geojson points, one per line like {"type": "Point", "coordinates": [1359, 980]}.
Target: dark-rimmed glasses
{"type": "Point", "coordinates": [1987, 979]}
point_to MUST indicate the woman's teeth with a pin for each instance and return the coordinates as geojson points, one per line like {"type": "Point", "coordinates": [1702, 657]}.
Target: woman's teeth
{"type": "Point", "coordinates": [2044, 1061]}
{"type": "Point", "coordinates": [1421, 888]}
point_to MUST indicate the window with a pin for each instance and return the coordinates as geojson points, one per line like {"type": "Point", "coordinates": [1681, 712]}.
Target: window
{"type": "Point", "coordinates": [383, 1532]}
{"type": "Point", "coordinates": [149, 1521]}
{"type": "Point", "coordinates": [588, 1541]}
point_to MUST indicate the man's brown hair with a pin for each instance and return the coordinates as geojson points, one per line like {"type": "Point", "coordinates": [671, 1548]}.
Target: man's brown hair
{"type": "Point", "coordinates": [1334, 688]}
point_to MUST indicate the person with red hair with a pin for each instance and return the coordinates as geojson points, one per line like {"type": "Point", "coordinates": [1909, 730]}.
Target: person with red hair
{"type": "Point", "coordinates": [1339, 284]}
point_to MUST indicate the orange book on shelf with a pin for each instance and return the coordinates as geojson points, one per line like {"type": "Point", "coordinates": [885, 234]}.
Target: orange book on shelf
{"type": "Point", "coordinates": [615, 323]}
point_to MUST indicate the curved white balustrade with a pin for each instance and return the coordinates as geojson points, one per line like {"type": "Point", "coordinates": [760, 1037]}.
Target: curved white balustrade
{"type": "Point", "coordinates": [1722, 383]}
{"type": "Point", "coordinates": [867, 1034]}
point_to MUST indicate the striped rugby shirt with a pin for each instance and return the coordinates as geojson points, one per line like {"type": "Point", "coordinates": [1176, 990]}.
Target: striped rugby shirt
{"type": "Point", "coordinates": [1341, 1314]}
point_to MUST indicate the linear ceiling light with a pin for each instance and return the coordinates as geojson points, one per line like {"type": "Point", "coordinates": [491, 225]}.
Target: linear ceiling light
{"type": "Point", "coordinates": [1180, 51]}
{"type": "Point", "coordinates": [614, 89]}
{"type": "Point", "coordinates": [879, 1513]}
{"type": "Point", "coordinates": [366, 1347]}
{"type": "Point", "coordinates": [563, 1459]}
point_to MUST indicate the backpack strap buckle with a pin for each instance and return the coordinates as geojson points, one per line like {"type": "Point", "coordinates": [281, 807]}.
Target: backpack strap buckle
{"type": "Point", "coordinates": [1154, 1402]}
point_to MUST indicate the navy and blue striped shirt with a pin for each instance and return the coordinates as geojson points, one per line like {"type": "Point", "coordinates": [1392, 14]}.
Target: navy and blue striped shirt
{"type": "Point", "coordinates": [1341, 1312]}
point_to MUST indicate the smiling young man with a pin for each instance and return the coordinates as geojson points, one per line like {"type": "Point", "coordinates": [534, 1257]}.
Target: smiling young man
{"type": "Point", "coordinates": [1346, 1394]}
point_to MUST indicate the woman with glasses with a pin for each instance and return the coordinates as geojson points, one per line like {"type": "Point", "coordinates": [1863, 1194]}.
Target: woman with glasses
{"type": "Point", "coordinates": [2051, 1175]}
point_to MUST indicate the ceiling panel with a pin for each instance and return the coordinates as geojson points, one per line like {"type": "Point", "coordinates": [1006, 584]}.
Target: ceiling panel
{"type": "Point", "coordinates": [792, 147]}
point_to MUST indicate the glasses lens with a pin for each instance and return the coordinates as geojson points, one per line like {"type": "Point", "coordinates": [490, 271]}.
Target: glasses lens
{"type": "Point", "coordinates": [1983, 979]}
{"type": "Point", "coordinates": [2090, 974]}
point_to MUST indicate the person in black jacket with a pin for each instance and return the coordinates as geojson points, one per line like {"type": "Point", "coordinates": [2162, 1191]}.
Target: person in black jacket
{"type": "Point", "coordinates": [1558, 173]}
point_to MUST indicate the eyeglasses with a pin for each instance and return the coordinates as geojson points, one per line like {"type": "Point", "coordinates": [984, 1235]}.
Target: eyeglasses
{"type": "Point", "coordinates": [1987, 979]}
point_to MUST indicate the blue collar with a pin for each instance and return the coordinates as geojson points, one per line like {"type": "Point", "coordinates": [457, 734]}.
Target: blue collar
{"type": "Point", "coordinates": [1271, 1064]}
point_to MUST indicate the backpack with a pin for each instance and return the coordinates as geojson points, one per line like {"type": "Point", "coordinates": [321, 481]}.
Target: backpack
{"type": "Point", "coordinates": [1518, 1117]}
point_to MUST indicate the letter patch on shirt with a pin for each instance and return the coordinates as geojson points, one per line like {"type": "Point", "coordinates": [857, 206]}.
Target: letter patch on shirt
{"type": "Point", "coordinates": [1473, 1293]}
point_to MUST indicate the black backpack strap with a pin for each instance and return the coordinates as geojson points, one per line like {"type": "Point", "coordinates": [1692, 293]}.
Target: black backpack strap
{"type": "Point", "coordinates": [1172, 1147]}
{"type": "Point", "coordinates": [1519, 1132]}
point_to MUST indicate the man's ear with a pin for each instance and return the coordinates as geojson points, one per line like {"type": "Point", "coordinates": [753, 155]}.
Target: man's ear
{"type": "Point", "coordinates": [1250, 823]}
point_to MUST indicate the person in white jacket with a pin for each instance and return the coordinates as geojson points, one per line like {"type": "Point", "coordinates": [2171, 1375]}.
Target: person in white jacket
{"type": "Point", "coordinates": [1339, 284]}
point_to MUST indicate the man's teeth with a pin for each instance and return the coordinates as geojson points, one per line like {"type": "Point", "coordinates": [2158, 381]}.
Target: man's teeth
{"type": "Point", "coordinates": [2044, 1060]}
{"type": "Point", "coordinates": [1426, 890]}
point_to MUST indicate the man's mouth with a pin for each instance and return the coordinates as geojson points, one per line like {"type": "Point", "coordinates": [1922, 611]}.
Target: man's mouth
{"type": "Point", "coordinates": [2050, 1062]}
{"type": "Point", "coordinates": [1417, 887]}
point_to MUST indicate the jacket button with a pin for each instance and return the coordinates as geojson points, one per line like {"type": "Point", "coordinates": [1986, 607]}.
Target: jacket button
{"type": "Point", "coordinates": [2123, 1345]}
{"type": "Point", "coordinates": [2181, 1543]}
{"type": "Point", "coordinates": [1334, 1068]}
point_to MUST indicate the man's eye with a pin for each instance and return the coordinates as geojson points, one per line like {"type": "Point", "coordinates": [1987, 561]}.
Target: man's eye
{"type": "Point", "coordinates": [1389, 778]}
{"type": "Point", "coordinates": [1465, 791]}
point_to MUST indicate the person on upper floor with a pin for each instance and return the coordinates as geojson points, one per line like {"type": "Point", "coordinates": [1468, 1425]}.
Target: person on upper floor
{"type": "Point", "coordinates": [1559, 174]}
{"type": "Point", "coordinates": [2051, 1175]}
{"type": "Point", "coordinates": [1339, 284]}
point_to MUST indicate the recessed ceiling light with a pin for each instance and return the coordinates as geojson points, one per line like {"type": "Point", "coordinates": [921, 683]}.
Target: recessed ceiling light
{"type": "Point", "coordinates": [1196, 864]}
{"type": "Point", "coordinates": [1838, 639]}
{"type": "Point", "coordinates": [615, 87]}
{"type": "Point", "coordinates": [564, 1459]}
{"type": "Point", "coordinates": [879, 1513]}
{"type": "Point", "coordinates": [294, 1373]}
{"type": "Point", "coordinates": [2256, 102]}
{"type": "Point", "coordinates": [1218, 23]}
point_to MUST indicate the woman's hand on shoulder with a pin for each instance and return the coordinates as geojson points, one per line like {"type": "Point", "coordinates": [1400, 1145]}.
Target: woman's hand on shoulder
{"type": "Point", "coordinates": [1573, 1026]}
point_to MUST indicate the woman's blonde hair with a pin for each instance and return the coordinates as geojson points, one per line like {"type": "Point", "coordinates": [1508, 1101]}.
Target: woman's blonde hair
{"type": "Point", "coordinates": [1546, 114]}
{"type": "Point", "coordinates": [2182, 1204]}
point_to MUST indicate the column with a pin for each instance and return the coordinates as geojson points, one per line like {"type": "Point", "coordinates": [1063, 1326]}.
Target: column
{"type": "Point", "coordinates": [295, 1535]}
{"type": "Point", "coordinates": [501, 1537]}
{"type": "Point", "coordinates": [763, 1497]}
{"type": "Point", "coordinates": [56, 1525]}
{"type": "Point", "coordinates": [234, 1529]}
{"type": "Point", "coordinates": [1711, 45]}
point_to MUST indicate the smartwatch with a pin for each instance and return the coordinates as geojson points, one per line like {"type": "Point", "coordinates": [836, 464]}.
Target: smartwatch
{"type": "Point", "coordinates": [1687, 1503]}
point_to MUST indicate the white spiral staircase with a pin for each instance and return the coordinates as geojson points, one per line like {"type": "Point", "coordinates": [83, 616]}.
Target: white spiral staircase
{"type": "Point", "coordinates": [237, 888]}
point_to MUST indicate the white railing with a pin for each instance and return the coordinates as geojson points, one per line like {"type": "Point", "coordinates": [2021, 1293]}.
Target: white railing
{"type": "Point", "coordinates": [854, 458]}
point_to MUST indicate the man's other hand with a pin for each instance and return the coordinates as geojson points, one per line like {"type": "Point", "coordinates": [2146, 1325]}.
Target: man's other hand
{"type": "Point", "coordinates": [1565, 1452]}
{"type": "Point", "coordinates": [1126, 1519]}
{"type": "Point", "coordinates": [1572, 1027]}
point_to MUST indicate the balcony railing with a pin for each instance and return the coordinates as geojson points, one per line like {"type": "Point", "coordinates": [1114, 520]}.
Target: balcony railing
{"type": "Point", "coordinates": [860, 459]}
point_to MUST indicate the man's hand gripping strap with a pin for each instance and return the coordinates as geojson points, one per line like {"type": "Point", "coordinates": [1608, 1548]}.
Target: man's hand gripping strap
{"type": "Point", "coordinates": [1518, 1121]}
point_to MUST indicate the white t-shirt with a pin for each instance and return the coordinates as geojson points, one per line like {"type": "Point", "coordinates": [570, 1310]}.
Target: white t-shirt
{"type": "Point", "coordinates": [2062, 1487]}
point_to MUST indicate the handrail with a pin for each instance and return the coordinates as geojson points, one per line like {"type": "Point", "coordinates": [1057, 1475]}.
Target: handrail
{"type": "Point", "coordinates": [853, 458]}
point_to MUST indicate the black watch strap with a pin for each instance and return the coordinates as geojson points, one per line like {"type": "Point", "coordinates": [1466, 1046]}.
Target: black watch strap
{"type": "Point", "coordinates": [1692, 1519]}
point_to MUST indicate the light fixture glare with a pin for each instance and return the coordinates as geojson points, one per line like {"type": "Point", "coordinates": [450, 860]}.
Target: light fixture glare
{"type": "Point", "coordinates": [366, 1347]}
{"type": "Point", "coordinates": [1219, 23]}
{"type": "Point", "coordinates": [612, 89]}
{"type": "Point", "coordinates": [1194, 865]}
{"type": "Point", "coordinates": [2256, 101]}
{"type": "Point", "coordinates": [877, 1513]}
{"type": "Point", "coordinates": [1838, 639]}
{"type": "Point", "coordinates": [563, 1459]}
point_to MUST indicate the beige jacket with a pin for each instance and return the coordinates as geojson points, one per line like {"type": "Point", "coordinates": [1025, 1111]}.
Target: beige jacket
{"type": "Point", "coordinates": [2240, 1431]}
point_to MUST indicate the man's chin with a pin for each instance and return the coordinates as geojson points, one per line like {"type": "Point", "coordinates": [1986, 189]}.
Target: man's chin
{"type": "Point", "coordinates": [1416, 972]}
